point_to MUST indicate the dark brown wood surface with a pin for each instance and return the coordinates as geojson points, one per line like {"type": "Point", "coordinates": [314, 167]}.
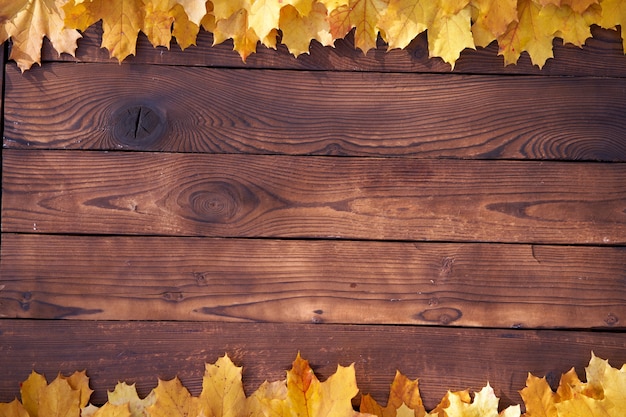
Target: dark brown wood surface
{"type": "Point", "coordinates": [601, 56]}
{"type": "Point", "coordinates": [313, 197]}
{"type": "Point", "coordinates": [184, 109]}
{"type": "Point", "coordinates": [464, 227]}
{"type": "Point", "coordinates": [442, 358]}
{"type": "Point", "coordinates": [143, 278]}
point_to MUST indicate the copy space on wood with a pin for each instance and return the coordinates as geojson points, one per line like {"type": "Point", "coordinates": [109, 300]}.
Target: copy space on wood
{"type": "Point", "coordinates": [306, 197]}
{"type": "Point", "coordinates": [181, 109]}
{"type": "Point", "coordinates": [155, 278]}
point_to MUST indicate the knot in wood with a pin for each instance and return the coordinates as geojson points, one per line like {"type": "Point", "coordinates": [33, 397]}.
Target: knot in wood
{"type": "Point", "coordinates": [138, 126]}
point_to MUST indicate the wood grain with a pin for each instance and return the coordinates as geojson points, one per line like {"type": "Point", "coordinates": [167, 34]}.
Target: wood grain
{"type": "Point", "coordinates": [602, 56]}
{"type": "Point", "coordinates": [313, 197]}
{"type": "Point", "coordinates": [180, 109]}
{"type": "Point", "coordinates": [442, 358]}
{"type": "Point", "coordinates": [143, 278]}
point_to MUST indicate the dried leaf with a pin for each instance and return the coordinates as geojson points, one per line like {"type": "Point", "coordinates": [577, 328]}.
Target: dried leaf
{"type": "Point", "coordinates": [222, 390]}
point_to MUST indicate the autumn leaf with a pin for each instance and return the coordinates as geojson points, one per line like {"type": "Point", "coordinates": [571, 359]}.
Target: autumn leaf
{"type": "Point", "coordinates": [493, 17]}
{"type": "Point", "coordinates": [13, 409]}
{"type": "Point", "coordinates": [58, 399]}
{"type": "Point", "coordinates": [172, 399]}
{"type": "Point", "coordinates": [450, 34]}
{"type": "Point", "coordinates": [30, 391]}
{"type": "Point", "coordinates": [308, 397]}
{"type": "Point", "coordinates": [222, 390]}
{"type": "Point", "coordinates": [27, 22]}
{"type": "Point", "coordinates": [403, 20]}
{"type": "Point", "coordinates": [403, 393]}
{"type": "Point", "coordinates": [79, 381]}
{"type": "Point", "coordinates": [360, 14]}
{"type": "Point", "coordinates": [268, 400]}
{"type": "Point", "coordinates": [125, 394]}
{"type": "Point", "coordinates": [538, 397]}
{"type": "Point", "coordinates": [485, 404]}
{"type": "Point", "coordinates": [298, 30]}
{"type": "Point", "coordinates": [533, 32]}
{"type": "Point", "coordinates": [236, 28]}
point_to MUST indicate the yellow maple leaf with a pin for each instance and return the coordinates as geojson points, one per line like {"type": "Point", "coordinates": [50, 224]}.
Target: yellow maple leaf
{"type": "Point", "coordinates": [494, 16]}
{"type": "Point", "coordinates": [157, 22]}
{"type": "Point", "coordinates": [172, 399]}
{"type": "Point", "coordinates": [583, 406]}
{"type": "Point", "coordinates": [125, 394]}
{"type": "Point", "coordinates": [184, 29]}
{"type": "Point", "coordinates": [13, 409]}
{"type": "Point", "coordinates": [222, 390]}
{"type": "Point", "coordinates": [403, 20]}
{"type": "Point", "coordinates": [569, 385]}
{"type": "Point", "coordinates": [298, 30]}
{"type": "Point", "coordinates": [571, 26]}
{"type": "Point", "coordinates": [27, 22]}
{"type": "Point", "coordinates": [121, 22]}
{"type": "Point", "coordinates": [58, 399]}
{"type": "Point", "coordinates": [236, 28]}
{"type": "Point", "coordinates": [539, 398]}
{"type": "Point", "coordinates": [360, 14]}
{"type": "Point", "coordinates": [308, 397]}
{"type": "Point", "coordinates": [533, 32]}
{"type": "Point", "coordinates": [402, 393]}
{"type": "Point", "coordinates": [79, 381]}
{"type": "Point", "coordinates": [268, 400]}
{"type": "Point", "coordinates": [30, 391]}
{"type": "Point", "coordinates": [264, 16]}
{"type": "Point", "coordinates": [613, 15]}
{"type": "Point", "coordinates": [194, 9]}
{"type": "Point", "coordinates": [485, 404]}
{"type": "Point", "coordinates": [450, 34]}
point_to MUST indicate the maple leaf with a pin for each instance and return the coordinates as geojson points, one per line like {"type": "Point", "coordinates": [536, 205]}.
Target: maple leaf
{"type": "Point", "coordinates": [30, 391]}
{"type": "Point", "coordinates": [572, 26]}
{"type": "Point", "coordinates": [360, 14]}
{"type": "Point", "coordinates": [403, 20]}
{"type": "Point", "coordinates": [583, 406]}
{"type": "Point", "coordinates": [485, 404]}
{"type": "Point", "coordinates": [58, 399]}
{"type": "Point", "coordinates": [450, 34]}
{"type": "Point", "coordinates": [121, 22]}
{"type": "Point", "coordinates": [26, 22]}
{"type": "Point", "coordinates": [538, 397]}
{"type": "Point", "coordinates": [264, 16]}
{"type": "Point", "coordinates": [493, 17]}
{"type": "Point", "coordinates": [13, 409]}
{"type": "Point", "coordinates": [533, 32]}
{"type": "Point", "coordinates": [172, 399]}
{"type": "Point", "coordinates": [298, 30]}
{"type": "Point", "coordinates": [236, 28]}
{"type": "Point", "coordinates": [125, 394]}
{"type": "Point", "coordinates": [185, 30]}
{"type": "Point", "coordinates": [79, 381]}
{"type": "Point", "coordinates": [613, 15]}
{"type": "Point", "coordinates": [308, 397]}
{"type": "Point", "coordinates": [222, 390]}
{"type": "Point", "coordinates": [268, 400]}
{"type": "Point", "coordinates": [403, 393]}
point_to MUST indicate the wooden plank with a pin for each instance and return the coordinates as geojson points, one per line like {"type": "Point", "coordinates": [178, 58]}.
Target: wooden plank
{"type": "Point", "coordinates": [143, 278]}
{"type": "Point", "coordinates": [443, 358]}
{"type": "Point", "coordinates": [305, 197]}
{"type": "Point", "coordinates": [602, 56]}
{"type": "Point", "coordinates": [140, 107]}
